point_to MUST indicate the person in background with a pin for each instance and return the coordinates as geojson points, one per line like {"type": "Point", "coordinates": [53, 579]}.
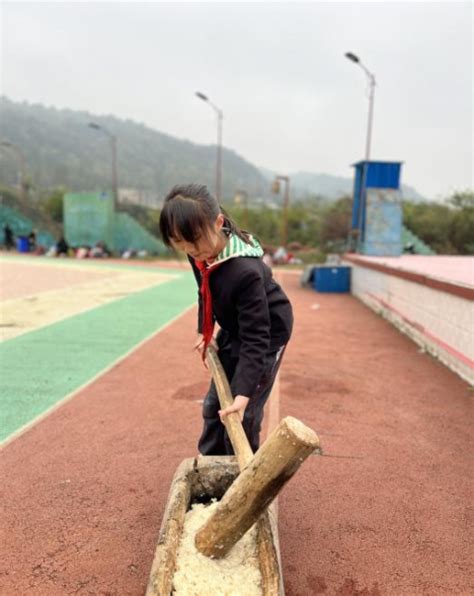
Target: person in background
{"type": "Point", "coordinates": [9, 239]}
{"type": "Point", "coordinates": [62, 247]}
{"type": "Point", "coordinates": [32, 240]}
{"type": "Point", "coordinates": [267, 259]}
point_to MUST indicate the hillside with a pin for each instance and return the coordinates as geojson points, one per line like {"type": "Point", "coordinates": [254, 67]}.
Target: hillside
{"type": "Point", "coordinates": [61, 150]}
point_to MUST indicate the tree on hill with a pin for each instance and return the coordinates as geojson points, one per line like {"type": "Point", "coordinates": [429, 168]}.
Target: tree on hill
{"type": "Point", "coordinates": [62, 150]}
{"type": "Point", "coordinates": [336, 224]}
{"type": "Point", "coordinates": [446, 227]}
{"type": "Point", "coordinates": [52, 204]}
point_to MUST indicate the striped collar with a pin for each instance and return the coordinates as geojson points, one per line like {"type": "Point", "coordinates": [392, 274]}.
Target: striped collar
{"type": "Point", "coordinates": [236, 247]}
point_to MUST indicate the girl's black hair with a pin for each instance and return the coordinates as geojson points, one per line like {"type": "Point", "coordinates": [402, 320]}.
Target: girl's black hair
{"type": "Point", "coordinates": [189, 211]}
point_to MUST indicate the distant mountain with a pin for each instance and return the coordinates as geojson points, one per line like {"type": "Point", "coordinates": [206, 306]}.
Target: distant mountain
{"type": "Point", "coordinates": [61, 150]}
{"type": "Point", "coordinates": [411, 194]}
{"type": "Point", "coordinates": [307, 184]}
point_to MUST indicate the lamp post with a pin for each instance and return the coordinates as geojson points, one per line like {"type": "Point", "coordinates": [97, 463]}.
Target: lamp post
{"type": "Point", "coordinates": [286, 202]}
{"type": "Point", "coordinates": [113, 146]}
{"type": "Point", "coordinates": [220, 117]}
{"type": "Point", "coordinates": [371, 79]}
{"type": "Point", "coordinates": [21, 166]}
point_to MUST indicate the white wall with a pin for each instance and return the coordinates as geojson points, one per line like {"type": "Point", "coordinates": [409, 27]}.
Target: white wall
{"type": "Point", "coordinates": [439, 321]}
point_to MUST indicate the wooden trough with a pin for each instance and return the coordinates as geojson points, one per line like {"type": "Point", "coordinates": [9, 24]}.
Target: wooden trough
{"type": "Point", "coordinates": [245, 486]}
{"type": "Point", "coordinates": [198, 480]}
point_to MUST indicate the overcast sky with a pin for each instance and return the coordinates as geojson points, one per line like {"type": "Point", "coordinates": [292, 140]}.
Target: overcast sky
{"type": "Point", "coordinates": [291, 100]}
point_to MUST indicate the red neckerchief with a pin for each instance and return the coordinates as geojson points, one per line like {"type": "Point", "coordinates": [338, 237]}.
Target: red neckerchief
{"type": "Point", "coordinates": [205, 290]}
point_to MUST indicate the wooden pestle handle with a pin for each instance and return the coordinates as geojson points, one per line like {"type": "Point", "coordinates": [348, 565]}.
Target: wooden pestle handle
{"type": "Point", "coordinates": [232, 422]}
{"type": "Point", "coordinates": [256, 487]}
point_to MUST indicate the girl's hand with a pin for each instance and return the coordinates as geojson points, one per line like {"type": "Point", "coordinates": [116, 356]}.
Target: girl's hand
{"type": "Point", "coordinates": [199, 344]}
{"type": "Point", "coordinates": [239, 405]}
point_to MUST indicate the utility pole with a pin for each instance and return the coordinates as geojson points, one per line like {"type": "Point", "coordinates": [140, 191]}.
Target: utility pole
{"type": "Point", "coordinates": [371, 81]}
{"type": "Point", "coordinates": [113, 147]}
{"type": "Point", "coordinates": [286, 203]}
{"type": "Point", "coordinates": [220, 118]}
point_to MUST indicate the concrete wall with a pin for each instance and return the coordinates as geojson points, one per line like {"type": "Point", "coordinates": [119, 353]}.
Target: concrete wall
{"type": "Point", "coordinates": [439, 321]}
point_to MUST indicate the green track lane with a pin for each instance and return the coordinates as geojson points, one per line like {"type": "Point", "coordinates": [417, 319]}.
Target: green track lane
{"type": "Point", "coordinates": [40, 368]}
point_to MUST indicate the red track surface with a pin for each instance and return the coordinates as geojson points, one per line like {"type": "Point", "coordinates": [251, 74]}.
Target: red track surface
{"type": "Point", "coordinates": [85, 489]}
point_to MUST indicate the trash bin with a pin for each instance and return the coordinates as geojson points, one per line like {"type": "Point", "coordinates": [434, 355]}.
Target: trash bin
{"type": "Point", "coordinates": [332, 279]}
{"type": "Point", "coordinates": [23, 244]}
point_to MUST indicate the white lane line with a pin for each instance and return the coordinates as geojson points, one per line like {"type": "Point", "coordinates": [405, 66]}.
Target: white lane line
{"type": "Point", "coordinates": [29, 425]}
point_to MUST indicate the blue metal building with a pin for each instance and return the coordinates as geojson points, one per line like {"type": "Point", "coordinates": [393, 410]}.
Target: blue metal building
{"type": "Point", "coordinates": [377, 208]}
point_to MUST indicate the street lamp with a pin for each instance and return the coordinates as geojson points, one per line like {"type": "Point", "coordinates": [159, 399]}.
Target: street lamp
{"type": "Point", "coordinates": [220, 116]}
{"type": "Point", "coordinates": [286, 202]}
{"type": "Point", "coordinates": [371, 79]}
{"type": "Point", "coordinates": [21, 166]}
{"type": "Point", "coordinates": [113, 146]}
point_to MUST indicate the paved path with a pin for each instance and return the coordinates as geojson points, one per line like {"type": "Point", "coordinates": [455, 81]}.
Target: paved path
{"type": "Point", "coordinates": [392, 517]}
{"type": "Point", "coordinates": [86, 487]}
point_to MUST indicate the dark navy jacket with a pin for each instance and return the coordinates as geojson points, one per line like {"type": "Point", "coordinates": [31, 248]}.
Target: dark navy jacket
{"type": "Point", "coordinates": [252, 308]}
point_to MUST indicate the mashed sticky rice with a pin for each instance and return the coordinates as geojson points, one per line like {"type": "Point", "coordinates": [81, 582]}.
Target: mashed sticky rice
{"type": "Point", "coordinates": [237, 574]}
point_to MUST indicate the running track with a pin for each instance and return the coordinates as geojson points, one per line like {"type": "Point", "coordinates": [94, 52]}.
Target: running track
{"type": "Point", "coordinates": [84, 489]}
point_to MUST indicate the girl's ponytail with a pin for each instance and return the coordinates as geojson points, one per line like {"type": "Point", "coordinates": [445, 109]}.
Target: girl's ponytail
{"type": "Point", "coordinates": [232, 228]}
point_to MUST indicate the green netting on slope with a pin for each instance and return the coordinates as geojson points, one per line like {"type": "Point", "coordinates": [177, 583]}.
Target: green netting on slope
{"type": "Point", "coordinates": [22, 226]}
{"type": "Point", "coordinates": [19, 224]}
{"type": "Point", "coordinates": [130, 235]}
{"type": "Point", "coordinates": [411, 239]}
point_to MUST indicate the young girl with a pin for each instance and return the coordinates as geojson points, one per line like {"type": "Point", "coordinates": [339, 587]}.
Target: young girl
{"type": "Point", "coordinates": [237, 290]}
